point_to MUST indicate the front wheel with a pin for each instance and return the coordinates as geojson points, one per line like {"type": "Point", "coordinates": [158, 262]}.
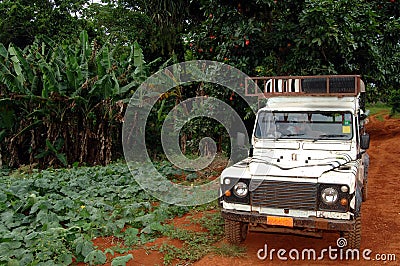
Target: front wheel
{"type": "Point", "coordinates": [235, 232]}
{"type": "Point", "coordinates": [353, 237]}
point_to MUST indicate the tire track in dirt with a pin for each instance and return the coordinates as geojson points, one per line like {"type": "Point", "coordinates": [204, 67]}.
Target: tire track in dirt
{"type": "Point", "coordinates": [380, 218]}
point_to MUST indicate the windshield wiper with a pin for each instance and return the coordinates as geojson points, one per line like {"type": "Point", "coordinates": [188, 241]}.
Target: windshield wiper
{"type": "Point", "coordinates": [325, 136]}
{"type": "Point", "coordinates": [292, 135]}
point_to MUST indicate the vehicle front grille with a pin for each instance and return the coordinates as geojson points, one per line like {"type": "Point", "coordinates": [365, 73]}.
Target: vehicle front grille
{"type": "Point", "coordinates": [284, 195]}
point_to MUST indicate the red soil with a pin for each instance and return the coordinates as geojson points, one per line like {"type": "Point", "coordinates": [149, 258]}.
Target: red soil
{"type": "Point", "coordinates": [380, 220]}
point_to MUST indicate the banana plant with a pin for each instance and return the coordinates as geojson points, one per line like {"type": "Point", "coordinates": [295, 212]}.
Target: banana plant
{"type": "Point", "coordinates": [70, 91]}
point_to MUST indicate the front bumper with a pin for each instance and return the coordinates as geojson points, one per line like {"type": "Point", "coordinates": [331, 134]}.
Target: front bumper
{"type": "Point", "coordinates": [298, 222]}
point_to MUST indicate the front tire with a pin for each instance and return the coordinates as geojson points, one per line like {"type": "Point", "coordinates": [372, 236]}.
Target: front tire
{"type": "Point", "coordinates": [353, 237]}
{"type": "Point", "coordinates": [235, 232]}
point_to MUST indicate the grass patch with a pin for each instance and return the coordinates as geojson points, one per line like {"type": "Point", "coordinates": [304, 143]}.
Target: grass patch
{"type": "Point", "coordinates": [228, 250]}
{"type": "Point", "coordinates": [213, 223]}
{"type": "Point", "coordinates": [195, 246]}
{"type": "Point", "coordinates": [198, 244]}
{"type": "Point", "coordinates": [380, 110]}
{"type": "Point", "coordinates": [208, 206]}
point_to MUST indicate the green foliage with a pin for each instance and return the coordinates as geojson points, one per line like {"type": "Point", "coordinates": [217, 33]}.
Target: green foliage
{"type": "Point", "coordinates": [121, 260]}
{"type": "Point", "coordinates": [395, 101]}
{"type": "Point", "coordinates": [23, 20]}
{"type": "Point", "coordinates": [213, 223]}
{"type": "Point", "coordinates": [198, 244]}
{"type": "Point", "coordinates": [195, 246]}
{"type": "Point", "coordinates": [112, 20]}
{"type": "Point", "coordinates": [51, 216]}
{"type": "Point", "coordinates": [227, 35]}
{"type": "Point", "coordinates": [86, 80]}
{"type": "Point", "coordinates": [95, 257]}
{"type": "Point", "coordinates": [377, 108]}
{"type": "Point", "coordinates": [268, 38]}
{"type": "Point", "coordinates": [229, 250]}
{"type": "Point", "coordinates": [60, 99]}
{"type": "Point", "coordinates": [259, 37]}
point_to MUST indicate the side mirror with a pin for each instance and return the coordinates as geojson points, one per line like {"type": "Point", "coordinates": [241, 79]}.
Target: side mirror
{"type": "Point", "coordinates": [364, 141]}
{"type": "Point", "coordinates": [363, 116]}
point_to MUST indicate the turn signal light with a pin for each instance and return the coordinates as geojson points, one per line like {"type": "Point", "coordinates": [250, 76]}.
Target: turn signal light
{"type": "Point", "coordinates": [343, 202]}
{"type": "Point", "coordinates": [228, 193]}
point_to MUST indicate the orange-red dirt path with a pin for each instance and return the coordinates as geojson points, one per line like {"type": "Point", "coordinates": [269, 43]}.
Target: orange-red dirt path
{"type": "Point", "coordinates": [380, 216]}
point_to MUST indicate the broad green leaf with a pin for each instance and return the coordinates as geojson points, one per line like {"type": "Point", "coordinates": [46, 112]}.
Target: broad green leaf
{"type": "Point", "coordinates": [66, 259]}
{"type": "Point", "coordinates": [122, 260]}
{"type": "Point", "coordinates": [3, 51]}
{"type": "Point", "coordinates": [83, 247]}
{"type": "Point", "coordinates": [11, 81]}
{"type": "Point", "coordinates": [3, 196]}
{"type": "Point", "coordinates": [95, 257]}
{"type": "Point", "coordinates": [84, 38]}
{"type": "Point", "coordinates": [13, 262]}
{"type": "Point", "coordinates": [31, 236]}
{"type": "Point", "coordinates": [21, 63]}
{"type": "Point", "coordinates": [62, 158]}
{"type": "Point", "coordinates": [109, 250]}
{"type": "Point", "coordinates": [116, 89]}
{"type": "Point", "coordinates": [128, 87]}
{"type": "Point", "coordinates": [50, 146]}
{"type": "Point", "coordinates": [138, 58]}
{"type": "Point", "coordinates": [131, 236]}
{"type": "Point", "coordinates": [27, 258]}
{"type": "Point", "coordinates": [18, 71]}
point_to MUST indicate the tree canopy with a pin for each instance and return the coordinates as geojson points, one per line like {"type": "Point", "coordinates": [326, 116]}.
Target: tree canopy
{"type": "Point", "coordinates": [83, 59]}
{"type": "Point", "coordinates": [258, 36]}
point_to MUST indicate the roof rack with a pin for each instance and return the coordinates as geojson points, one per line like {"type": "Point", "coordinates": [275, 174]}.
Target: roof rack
{"type": "Point", "coordinates": [327, 85]}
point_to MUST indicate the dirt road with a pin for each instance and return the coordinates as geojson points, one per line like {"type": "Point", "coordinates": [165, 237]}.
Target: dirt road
{"type": "Point", "coordinates": [380, 218]}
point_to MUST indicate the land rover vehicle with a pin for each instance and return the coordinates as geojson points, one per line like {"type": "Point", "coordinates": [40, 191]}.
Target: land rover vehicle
{"type": "Point", "coordinates": [307, 167]}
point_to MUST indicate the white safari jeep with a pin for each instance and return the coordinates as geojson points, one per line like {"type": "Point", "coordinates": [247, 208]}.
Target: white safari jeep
{"type": "Point", "coordinates": [307, 167]}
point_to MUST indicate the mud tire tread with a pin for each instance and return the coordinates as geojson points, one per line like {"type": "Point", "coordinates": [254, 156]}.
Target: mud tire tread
{"type": "Point", "coordinates": [235, 232]}
{"type": "Point", "coordinates": [353, 237]}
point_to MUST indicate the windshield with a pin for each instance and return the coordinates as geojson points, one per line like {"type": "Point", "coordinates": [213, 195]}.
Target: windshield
{"type": "Point", "coordinates": [304, 125]}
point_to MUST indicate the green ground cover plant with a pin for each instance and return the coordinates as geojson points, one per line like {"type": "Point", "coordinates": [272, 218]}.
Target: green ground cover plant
{"type": "Point", "coordinates": [49, 217]}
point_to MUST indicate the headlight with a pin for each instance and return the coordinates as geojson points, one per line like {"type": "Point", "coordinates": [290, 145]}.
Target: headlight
{"type": "Point", "coordinates": [240, 190]}
{"type": "Point", "coordinates": [329, 196]}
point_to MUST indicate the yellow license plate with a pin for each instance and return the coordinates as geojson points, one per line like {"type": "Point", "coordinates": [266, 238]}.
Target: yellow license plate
{"type": "Point", "coordinates": [283, 221]}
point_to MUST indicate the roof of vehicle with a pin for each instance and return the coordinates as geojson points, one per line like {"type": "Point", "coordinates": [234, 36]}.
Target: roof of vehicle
{"type": "Point", "coordinates": [320, 86]}
{"type": "Point", "coordinates": [309, 103]}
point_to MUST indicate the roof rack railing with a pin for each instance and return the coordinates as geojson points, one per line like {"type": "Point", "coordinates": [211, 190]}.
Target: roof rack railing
{"type": "Point", "coordinates": [327, 85]}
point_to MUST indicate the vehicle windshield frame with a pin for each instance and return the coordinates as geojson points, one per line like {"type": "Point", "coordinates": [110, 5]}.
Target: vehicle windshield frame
{"type": "Point", "coordinates": [304, 125]}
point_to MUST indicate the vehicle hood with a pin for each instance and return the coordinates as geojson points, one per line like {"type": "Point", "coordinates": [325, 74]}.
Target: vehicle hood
{"type": "Point", "coordinates": [296, 165]}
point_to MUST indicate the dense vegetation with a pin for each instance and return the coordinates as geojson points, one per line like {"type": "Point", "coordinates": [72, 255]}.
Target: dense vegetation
{"type": "Point", "coordinates": [50, 217]}
{"type": "Point", "coordinates": [67, 68]}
